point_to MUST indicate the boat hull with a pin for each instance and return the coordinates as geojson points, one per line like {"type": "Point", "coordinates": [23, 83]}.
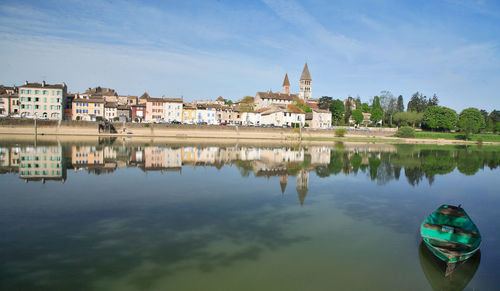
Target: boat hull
{"type": "Point", "coordinates": [450, 234]}
{"type": "Point", "coordinates": [448, 258]}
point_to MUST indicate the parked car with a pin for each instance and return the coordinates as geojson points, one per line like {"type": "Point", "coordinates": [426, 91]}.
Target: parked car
{"type": "Point", "coordinates": [176, 122]}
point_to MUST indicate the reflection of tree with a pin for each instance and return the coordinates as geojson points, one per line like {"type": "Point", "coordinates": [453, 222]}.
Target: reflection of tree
{"type": "Point", "coordinates": [437, 163]}
{"type": "Point", "coordinates": [336, 163]}
{"type": "Point", "coordinates": [356, 162]}
{"type": "Point", "coordinates": [374, 164]}
{"type": "Point", "coordinates": [245, 168]}
{"type": "Point", "coordinates": [414, 175]}
{"type": "Point", "coordinates": [469, 162]}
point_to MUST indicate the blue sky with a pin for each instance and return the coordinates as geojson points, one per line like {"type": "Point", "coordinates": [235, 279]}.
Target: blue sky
{"type": "Point", "coordinates": [203, 49]}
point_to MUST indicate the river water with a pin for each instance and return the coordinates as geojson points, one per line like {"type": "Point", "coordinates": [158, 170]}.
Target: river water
{"type": "Point", "coordinates": [132, 215]}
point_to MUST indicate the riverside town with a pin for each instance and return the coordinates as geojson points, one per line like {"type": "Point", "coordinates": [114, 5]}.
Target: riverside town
{"type": "Point", "coordinates": [382, 116]}
{"type": "Point", "coordinates": [249, 145]}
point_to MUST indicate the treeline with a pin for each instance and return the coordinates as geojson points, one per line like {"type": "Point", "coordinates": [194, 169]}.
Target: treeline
{"type": "Point", "coordinates": [415, 164]}
{"type": "Point", "coordinates": [421, 111]}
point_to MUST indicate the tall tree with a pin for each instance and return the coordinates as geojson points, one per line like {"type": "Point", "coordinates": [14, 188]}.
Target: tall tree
{"type": "Point", "coordinates": [376, 115]}
{"type": "Point", "coordinates": [325, 102]}
{"type": "Point", "coordinates": [388, 104]}
{"type": "Point", "coordinates": [434, 101]}
{"type": "Point", "coordinates": [400, 107]}
{"type": "Point", "coordinates": [376, 103]}
{"type": "Point", "coordinates": [337, 109]}
{"type": "Point", "coordinates": [418, 103]}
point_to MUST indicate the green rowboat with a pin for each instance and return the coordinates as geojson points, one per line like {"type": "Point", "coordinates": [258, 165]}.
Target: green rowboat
{"type": "Point", "coordinates": [450, 234]}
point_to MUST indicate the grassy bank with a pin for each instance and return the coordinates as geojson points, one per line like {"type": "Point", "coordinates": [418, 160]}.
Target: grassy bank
{"type": "Point", "coordinates": [457, 136]}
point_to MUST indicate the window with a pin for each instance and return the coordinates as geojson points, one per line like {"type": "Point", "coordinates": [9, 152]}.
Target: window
{"type": "Point", "coordinates": [37, 99]}
{"type": "Point", "coordinates": [45, 92]}
{"type": "Point", "coordinates": [44, 99]}
{"type": "Point", "coordinates": [37, 107]}
{"type": "Point", "coordinates": [52, 92]}
{"type": "Point", "coordinates": [37, 91]}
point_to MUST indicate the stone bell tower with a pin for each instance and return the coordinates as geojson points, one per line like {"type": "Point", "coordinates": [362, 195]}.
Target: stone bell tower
{"type": "Point", "coordinates": [305, 84]}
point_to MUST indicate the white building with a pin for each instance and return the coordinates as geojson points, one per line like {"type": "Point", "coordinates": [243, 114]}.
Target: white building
{"type": "Point", "coordinates": [250, 118]}
{"type": "Point", "coordinates": [206, 114]}
{"type": "Point", "coordinates": [319, 118]}
{"type": "Point", "coordinates": [42, 100]}
{"type": "Point", "coordinates": [281, 115]}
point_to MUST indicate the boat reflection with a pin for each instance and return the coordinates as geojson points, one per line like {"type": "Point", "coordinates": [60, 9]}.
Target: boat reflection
{"type": "Point", "coordinates": [434, 270]}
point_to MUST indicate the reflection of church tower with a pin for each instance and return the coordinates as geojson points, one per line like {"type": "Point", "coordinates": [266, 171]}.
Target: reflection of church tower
{"type": "Point", "coordinates": [302, 185]}
{"type": "Point", "coordinates": [283, 182]}
{"type": "Point", "coordinates": [305, 84]}
{"type": "Point", "coordinates": [286, 85]}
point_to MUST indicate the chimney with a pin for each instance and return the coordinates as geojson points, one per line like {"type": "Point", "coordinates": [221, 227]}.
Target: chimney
{"type": "Point", "coordinates": [43, 83]}
{"type": "Point", "coordinates": [26, 82]}
{"type": "Point", "coordinates": [64, 84]}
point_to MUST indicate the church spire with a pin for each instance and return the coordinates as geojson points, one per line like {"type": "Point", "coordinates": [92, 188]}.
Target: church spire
{"type": "Point", "coordinates": [286, 85]}
{"type": "Point", "coordinates": [305, 84]}
{"type": "Point", "coordinates": [305, 74]}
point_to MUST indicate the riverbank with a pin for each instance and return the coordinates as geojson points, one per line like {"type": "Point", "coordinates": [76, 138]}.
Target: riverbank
{"type": "Point", "coordinates": [231, 134]}
{"type": "Point", "coordinates": [82, 128]}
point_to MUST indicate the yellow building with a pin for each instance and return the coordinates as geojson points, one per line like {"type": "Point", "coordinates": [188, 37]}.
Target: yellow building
{"type": "Point", "coordinates": [189, 114]}
{"type": "Point", "coordinates": [87, 109]}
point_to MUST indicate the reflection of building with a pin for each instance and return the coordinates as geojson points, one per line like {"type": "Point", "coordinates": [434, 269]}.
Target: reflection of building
{"type": "Point", "coordinates": [86, 155]}
{"type": "Point", "coordinates": [156, 158]}
{"type": "Point", "coordinates": [302, 185]}
{"type": "Point", "coordinates": [41, 164]}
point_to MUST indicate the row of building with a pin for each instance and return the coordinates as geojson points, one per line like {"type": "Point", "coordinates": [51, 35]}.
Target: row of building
{"type": "Point", "coordinates": [45, 101]}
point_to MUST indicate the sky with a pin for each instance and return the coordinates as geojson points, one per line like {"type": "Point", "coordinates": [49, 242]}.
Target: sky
{"type": "Point", "coordinates": [200, 50]}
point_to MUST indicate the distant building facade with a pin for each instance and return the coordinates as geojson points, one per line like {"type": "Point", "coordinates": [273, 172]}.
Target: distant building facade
{"type": "Point", "coordinates": [42, 100]}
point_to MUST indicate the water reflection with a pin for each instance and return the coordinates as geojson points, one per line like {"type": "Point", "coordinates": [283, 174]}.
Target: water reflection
{"type": "Point", "coordinates": [382, 163]}
{"type": "Point", "coordinates": [434, 270]}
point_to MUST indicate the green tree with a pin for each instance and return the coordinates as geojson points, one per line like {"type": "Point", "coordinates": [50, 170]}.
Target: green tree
{"type": "Point", "coordinates": [348, 109]}
{"type": "Point", "coordinates": [401, 118]}
{"type": "Point", "coordinates": [400, 107]}
{"type": "Point", "coordinates": [440, 118]}
{"type": "Point", "coordinates": [418, 103]}
{"type": "Point", "coordinates": [434, 101]}
{"type": "Point", "coordinates": [376, 103]}
{"type": "Point", "coordinates": [325, 102]}
{"type": "Point", "coordinates": [471, 121]}
{"type": "Point", "coordinates": [337, 109]}
{"type": "Point", "coordinates": [358, 102]}
{"type": "Point", "coordinates": [228, 102]}
{"type": "Point", "coordinates": [365, 107]}
{"type": "Point", "coordinates": [357, 115]}
{"type": "Point", "coordinates": [376, 115]}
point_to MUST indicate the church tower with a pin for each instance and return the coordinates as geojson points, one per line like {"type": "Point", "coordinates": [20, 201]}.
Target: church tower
{"type": "Point", "coordinates": [286, 85]}
{"type": "Point", "coordinates": [305, 84]}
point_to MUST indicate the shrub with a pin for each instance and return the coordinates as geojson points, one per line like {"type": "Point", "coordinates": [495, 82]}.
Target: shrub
{"type": "Point", "coordinates": [136, 119]}
{"type": "Point", "coordinates": [405, 132]}
{"type": "Point", "coordinates": [340, 132]}
{"type": "Point", "coordinates": [98, 118]}
{"type": "Point", "coordinates": [146, 124]}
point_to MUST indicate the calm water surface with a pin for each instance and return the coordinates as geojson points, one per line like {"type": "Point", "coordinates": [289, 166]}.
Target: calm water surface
{"type": "Point", "coordinates": [125, 215]}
